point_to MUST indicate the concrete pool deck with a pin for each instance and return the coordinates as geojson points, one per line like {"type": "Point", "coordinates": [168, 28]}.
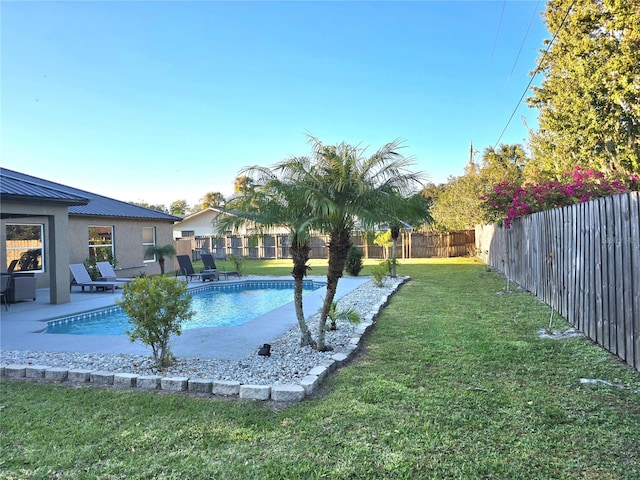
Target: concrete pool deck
{"type": "Point", "coordinates": [21, 324]}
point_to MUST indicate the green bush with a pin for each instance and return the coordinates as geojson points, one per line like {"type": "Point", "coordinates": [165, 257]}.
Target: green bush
{"type": "Point", "coordinates": [156, 307]}
{"type": "Point", "coordinates": [379, 273]}
{"type": "Point", "coordinates": [237, 262]}
{"type": "Point", "coordinates": [354, 261]}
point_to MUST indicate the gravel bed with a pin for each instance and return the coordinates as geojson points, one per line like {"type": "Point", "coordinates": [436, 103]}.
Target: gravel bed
{"type": "Point", "coordinates": [287, 364]}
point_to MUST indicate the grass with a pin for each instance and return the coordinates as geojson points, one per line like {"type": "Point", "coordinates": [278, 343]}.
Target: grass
{"type": "Point", "coordinates": [453, 383]}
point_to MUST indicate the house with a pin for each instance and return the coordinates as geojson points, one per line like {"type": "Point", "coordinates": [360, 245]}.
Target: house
{"type": "Point", "coordinates": [199, 224]}
{"type": "Point", "coordinates": [204, 224]}
{"type": "Point", "coordinates": [200, 233]}
{"type": "Point", "coordinates": [46, 226]}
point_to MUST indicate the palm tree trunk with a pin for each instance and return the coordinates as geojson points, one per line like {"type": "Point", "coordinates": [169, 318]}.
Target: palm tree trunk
{"type": "Point", "coordinates": [339, 245]}
{"type": "Point", "coordinates": [300, 255]}
{"type": "Point", "coordinates": [395, 232]}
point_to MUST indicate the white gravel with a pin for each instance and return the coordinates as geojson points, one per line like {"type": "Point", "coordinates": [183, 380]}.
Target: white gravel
{"type": "Point", "coordinates": [287, 364]}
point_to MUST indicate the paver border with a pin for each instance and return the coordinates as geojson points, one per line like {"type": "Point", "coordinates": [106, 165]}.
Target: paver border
{"type": "Point", "coordinates": [294, 392]}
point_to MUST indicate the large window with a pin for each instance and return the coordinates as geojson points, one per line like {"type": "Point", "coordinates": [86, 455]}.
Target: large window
{"type": "Point", "coordinates": [148, 240]}
{"type": "Point", "coordinates": [25, 247]}
{"type": "Point", "coordinates": [101, 243]}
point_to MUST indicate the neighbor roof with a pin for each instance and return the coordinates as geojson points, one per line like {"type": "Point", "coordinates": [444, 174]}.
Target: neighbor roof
{"type": "Point", "coordinates": [22, 187]}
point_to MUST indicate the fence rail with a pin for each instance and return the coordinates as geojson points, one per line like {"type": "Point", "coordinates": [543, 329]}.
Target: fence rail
{"type": "Point", "coordinates": [583, 261]}
{"type": "Point", "coordinates": [409, 245]}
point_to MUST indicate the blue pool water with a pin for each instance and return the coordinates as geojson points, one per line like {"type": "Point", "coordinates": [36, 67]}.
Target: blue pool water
{"type": "Point", "coordinates": [215, 306]}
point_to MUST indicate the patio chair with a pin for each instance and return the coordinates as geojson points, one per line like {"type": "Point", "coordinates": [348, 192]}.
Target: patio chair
{"type": "Point", "coordinates": [12, 266]}
{"type": "Point", "coordinates": [210, 264]}
{"type": "Point", "coordinates": [4, 286]}
{"type": "Point", "coordinates": [82, 279]}
{"type": "Point", "coordinates": [108, 273]}
{"type": "Point", "coordinates": [186, 269]}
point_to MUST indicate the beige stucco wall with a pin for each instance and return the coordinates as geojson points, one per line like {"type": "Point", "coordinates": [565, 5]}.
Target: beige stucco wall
{"type": "Point", "coordinates": [128, 247]}
{"type": "Point", "coordinates": [54, 218]}
{"type": "Point", "coordinates": [44, 212]}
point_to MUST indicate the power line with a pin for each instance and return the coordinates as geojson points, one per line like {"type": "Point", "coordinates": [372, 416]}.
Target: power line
{"type": "Point", "coordinates": [526, 34]}
{"type": "Point", "coordinates": [536, 71]}
{"type": "Point", "coordinates": [495, 41]}
{"type": "Point", "coordinates": [515, 62]}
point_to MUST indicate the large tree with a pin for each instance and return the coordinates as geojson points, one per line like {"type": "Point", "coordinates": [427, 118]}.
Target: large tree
{"type": "Point", "coordinates": [159, 208]}
{"type": "Point", "coordinates": [344, 189]}
{"type": "Point", "coordinates": [211, 199]}
{"type": "Point", "coordinates": [269, 201]}
{"type": "Point", "coordinates": [179, 207]}
{"type": "Point", "coordinates": [589, 101]}
{"type": "Point", "coordinates": [504, 164]}
{"type": "Point", "coordinates": [458, 205]}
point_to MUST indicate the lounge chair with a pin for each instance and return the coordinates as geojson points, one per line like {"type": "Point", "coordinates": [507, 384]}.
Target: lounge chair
{"type": "Point", "coordinates": [186, 269]}
{"type": "Point", "coordinates": [210, 264]}
{"type": "Point", "coordinates": [82, 279]}
{"type": "Point", "coordinates": [108, 273]}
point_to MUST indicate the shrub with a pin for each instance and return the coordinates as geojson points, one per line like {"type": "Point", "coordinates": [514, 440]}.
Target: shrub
{"type": "Point", "coordinates": [508, 201]}
{"type": "Point", "coordinates": [354, 261]}
{"type": "Point", "coordinates": [101, 255]}
{"type": "Point", "coordinates": [379, 274]}
{"type": "Point", "coordinates": [156, 307]}
{"type": "Point", "coordinates": [237, 262]}
{"type": "Point", "coordinates": [390, 264]}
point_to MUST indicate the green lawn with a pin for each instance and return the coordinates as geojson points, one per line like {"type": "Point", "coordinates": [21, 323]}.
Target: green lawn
{"type": "Point", "coordinates": [452, 383]}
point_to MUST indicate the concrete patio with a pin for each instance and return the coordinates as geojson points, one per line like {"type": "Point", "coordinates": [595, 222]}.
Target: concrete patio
{"type": "Point", "coordinates": [20, 326]}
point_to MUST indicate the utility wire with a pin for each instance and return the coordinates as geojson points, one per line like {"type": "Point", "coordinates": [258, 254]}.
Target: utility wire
{"type": "Point", "coordinates": [536, 71]}
{"type": "Point", "coordinates": [515, 62]}
{"type": "Point", "coordinates": [495, 41]}
{"type": "Point", "coordinates": [526, 34]}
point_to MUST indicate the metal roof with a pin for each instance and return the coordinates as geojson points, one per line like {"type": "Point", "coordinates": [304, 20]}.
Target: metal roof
{"type": "Point", "coordinates": [22, 187]}
{"type": "Point", "coordinates": [12, 186]}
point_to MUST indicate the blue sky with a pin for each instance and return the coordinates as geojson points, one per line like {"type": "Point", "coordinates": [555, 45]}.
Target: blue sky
{"type": "Point", "coordinates": [160, 101]}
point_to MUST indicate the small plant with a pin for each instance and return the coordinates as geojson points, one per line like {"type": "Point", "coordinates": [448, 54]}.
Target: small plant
{"type": "Point", "coordinates": [100, 256]}
{"type": "Point", "coordinates": [392, 264]}
{"type": "Point", "coordinates": [354, 261]}
{"type": "Point", "coordinates": [161, 252]}
{"type": "Point", "coordinates": [156, 307]}
{"type": "Point", "coordinates": [92, 268]}
{"type": "Point", "coordinates": [379, 274]}
{"type": "Point", "coordinates": [350, 314]}
{"type": "Point", "coordinates": [237, 262]}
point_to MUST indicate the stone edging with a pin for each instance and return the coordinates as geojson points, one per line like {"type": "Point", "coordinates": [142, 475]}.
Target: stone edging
{"type": "Point", "coordinates": [205, 386]}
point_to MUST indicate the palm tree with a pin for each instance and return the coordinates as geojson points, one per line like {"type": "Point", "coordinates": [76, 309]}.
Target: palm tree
{"type": "Point", "coordinates": [160, 252]}
{"type": "Point", "coordinates": [267, 202]}
{"type": "Point", "coordinates": [343, 188]}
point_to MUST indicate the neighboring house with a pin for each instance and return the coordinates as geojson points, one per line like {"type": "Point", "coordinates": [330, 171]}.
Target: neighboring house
{"type": "Point", "coordinates": [199, 233]}
{"type": "Point", "coordinates": [47, 226]}
{"type": "Point", "coordinates": [199, 224]}
{"type": "Point", "coordinates": [203, 224]}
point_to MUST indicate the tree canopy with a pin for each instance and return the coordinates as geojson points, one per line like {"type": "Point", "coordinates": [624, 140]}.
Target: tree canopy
{"type": "Point", "coordinates": [458, 204]}
{"type": "Point", "coordinates": [589, 100]}
{"type": "Point", "coordinates": [344, 188]}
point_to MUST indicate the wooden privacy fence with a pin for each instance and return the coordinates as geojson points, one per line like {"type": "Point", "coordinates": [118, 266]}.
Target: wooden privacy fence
{"type": "Point", "coordinates": [410, 244]}
{"type": "Point", "coordinates": [583, 261]}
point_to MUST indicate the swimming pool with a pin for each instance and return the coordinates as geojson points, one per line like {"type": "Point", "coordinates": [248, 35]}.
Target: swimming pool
{"type": "Point", "coordinates": [215, 306]}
